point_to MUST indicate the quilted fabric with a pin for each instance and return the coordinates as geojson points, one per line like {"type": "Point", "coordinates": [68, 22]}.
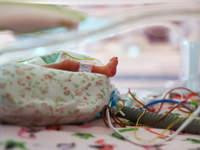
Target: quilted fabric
{"type": "Point", "coordinates": [34, 95]}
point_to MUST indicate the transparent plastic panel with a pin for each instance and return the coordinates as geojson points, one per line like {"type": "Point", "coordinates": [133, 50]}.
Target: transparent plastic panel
{"type": "Point", "coordinates": [150, 40]}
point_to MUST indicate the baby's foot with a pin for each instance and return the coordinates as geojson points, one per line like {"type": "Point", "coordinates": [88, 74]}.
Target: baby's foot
{"type": "Point", "coordinates": [112, 67]}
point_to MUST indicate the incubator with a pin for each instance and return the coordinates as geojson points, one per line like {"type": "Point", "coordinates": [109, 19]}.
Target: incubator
{"type": "Point", "coordinates": [157, 45]}
{"type": "Point", "coordinates": [151, 40]}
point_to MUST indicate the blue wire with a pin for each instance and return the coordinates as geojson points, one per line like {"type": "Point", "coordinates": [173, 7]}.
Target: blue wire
{"type": "Point", "coordinates": [164, 101]}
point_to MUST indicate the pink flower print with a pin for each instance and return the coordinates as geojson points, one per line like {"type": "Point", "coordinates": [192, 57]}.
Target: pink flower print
{"type": "Point", "coordinates": [83, 81]}
{"type": "Point", "coordinates": [85, 88]}
{"type": "Point", "coordinates": [27, 106]}
{"type": "Point", "coordinates": [32, 104]}
{"type": "Point", "coordinates": [23, 96]}
{"type": "Point", "coordinates": [63, 55]}
{"type": "Point", "coordinates": [28, 88]}
{"type": "Point", "coordinates": [34, 96]}
{"type": "Point", "coordinates": [6, 71]}
{"type": "Point", "coordinates": [67, 92]}
{"type": "Point", "coordinates": [8, 95]}
{"type": "Point", "coordinates": [2, 85]}
{"type": "Point", "coordinates": [78, 93]}
{"type": "Point", "coordinates": [85, 98]}
{"type": "Point", "coordinates": [97, 108]}
{"type": "Point", "coordinates": [64, 88]}
{"type": "Point", "coordinates": [69, 80]}
{"type": "Point", "coordinates": [45, 104]}
{"type": "Point", "coordinates": [29, 69]}
{"type": "Point", "coordinates": [3, 108]}
{"type": "Point", "coordinates": [28, 77]}
{"type": "Point", "coordinates": [60, 110]}
{"type": "Point", "coordinates": [99, 96]}
{"type": "Point", "coordinates": [37, 112]}
{"type": "Point", "coordinates": [58, 99]}
{"type": "Point", "coordinates": [47, 76]}
{"type": "Point", "coordinates": [98, 83]}
{"type": "Point", "coordinates": [19, 72]}
{"type": "Point", "coordinates": [21, 84]}
{"type": "Point", "coordinates": [44, 91]}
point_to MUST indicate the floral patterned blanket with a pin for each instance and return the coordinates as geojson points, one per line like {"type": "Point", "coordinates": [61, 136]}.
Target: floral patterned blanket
{"type": "Point", "coordinates": [32, 95]}
{"type": "Point", "coordinates": [92, 135]}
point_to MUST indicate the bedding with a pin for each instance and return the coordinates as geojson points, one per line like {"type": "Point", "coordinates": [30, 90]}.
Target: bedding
{"type": "Point", "coordinates": [52, 118]}
{"type": "Point", "coordinates": [91, 135]}
{"type": "Point", "coordinates": [35, 95]}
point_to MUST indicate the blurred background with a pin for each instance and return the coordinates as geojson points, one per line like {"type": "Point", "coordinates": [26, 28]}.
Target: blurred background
{"type": "Point", "coordinates": [152, 40]}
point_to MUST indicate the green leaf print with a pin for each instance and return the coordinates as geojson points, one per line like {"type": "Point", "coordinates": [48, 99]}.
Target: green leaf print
{"type": "Point", "coordinates": [53, 73]}
{"type": "Point", "coordinates": [88, 94]}
{"type": "Point", "coordinates": [127, 122]}
{"type": "Point", "coordinates": [72, 96]}
{"type": "Point", "coordinates": [104, 93]}
{"type": "Point", "coordinates": [194, 141]}
{"type": "Point", "coordinates": [93, 102]}
{"type": "Point", "coordinates": [172, 114]}
{"type": "Point", "coordinates": [76, 85]}
{"type": "Point", "coordinates": [29, 83]}
{"type": "Point", "coordinates": [33, 74]}
{"type": "Point", "coordinates": [128, 129]}
{"type": "Point", "coordinates": [36, 82]}
{"type": "Point", "coordinates": [83, 135]}
{"type": "Point", "coordinates": [70, 76]}
{"type": "Point", "coordinates": [69, 112]}
{"type": "Point", "coordinates": [12, 75]}
{"type": "Point", "coordinates": [118, 136]}
{"type": "Point", "coordinates": [12, 144]}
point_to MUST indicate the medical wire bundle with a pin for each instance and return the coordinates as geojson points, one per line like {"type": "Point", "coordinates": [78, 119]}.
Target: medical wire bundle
{"type": "Point", "coordinates": [189, 125]}
{"type": "Point", "coordinates": [133, 114]}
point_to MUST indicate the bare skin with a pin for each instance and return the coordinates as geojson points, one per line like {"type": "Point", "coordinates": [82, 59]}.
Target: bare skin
{"type": "Point", "coordinates": [109, 69]}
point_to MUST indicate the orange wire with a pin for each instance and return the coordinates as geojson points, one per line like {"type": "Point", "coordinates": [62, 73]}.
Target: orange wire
{"type": "Point", "coordinates": [116, 119]}
{"type": "Point", "coordinates": [129, 91]}
{"type": "Point", "coordinates": [162, 117]}
{"type": "Point", "coordinates": [159, 119]}
{"type": "Point", "coordinates": [121, 124]}
{"type": "Point", "coordinates": [173, 90]}
{"type": "Point", "coordinates": [177, 106]}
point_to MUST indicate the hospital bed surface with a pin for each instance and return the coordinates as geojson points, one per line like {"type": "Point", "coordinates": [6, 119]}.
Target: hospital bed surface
{"type": "Point", "coordinates": [91, 135]}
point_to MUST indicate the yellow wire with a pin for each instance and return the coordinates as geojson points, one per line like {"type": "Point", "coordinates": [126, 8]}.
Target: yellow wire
{"type": "Point", "coordinates": [171, 125]}
{"type": "Point", "coordinates": [79, 58]}
{"type": "Point", "coordinates": [120, 103]}
{"type": "Point", "coordinates": [26, 60]}
{"type": "Point", "coordinates": [138, 119]}
{"type": "Point", "coordinates": [65, 54]}
{"type": "Point", "coordinates": [162, 133]}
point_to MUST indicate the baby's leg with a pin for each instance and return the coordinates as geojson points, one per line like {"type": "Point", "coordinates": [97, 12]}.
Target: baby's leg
{"type": "Point", "coordinates": [69, 65]}
{"type": "Point", "coordinates": [109, 69]}
{"type": "Point", "coordinates": [66, 64]}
